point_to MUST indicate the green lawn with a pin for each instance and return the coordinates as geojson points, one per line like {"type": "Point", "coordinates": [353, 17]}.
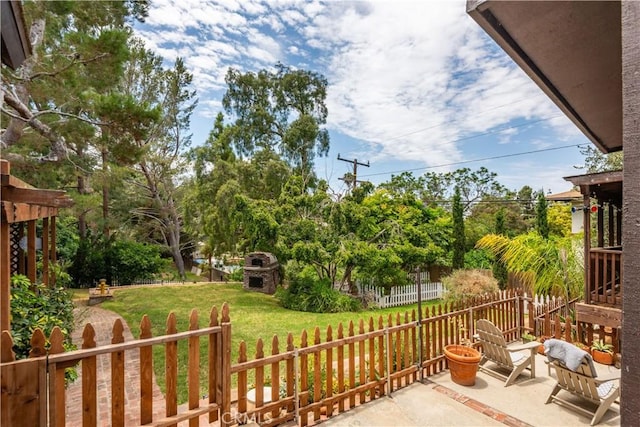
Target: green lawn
{"type": "Point", "coordinates": [253, 315]}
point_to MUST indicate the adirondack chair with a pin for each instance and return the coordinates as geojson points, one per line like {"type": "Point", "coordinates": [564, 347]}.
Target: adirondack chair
{"type": "Point", "coordinates": [494, 349]}
{"type": "Point", "coordinates": [582, 383]}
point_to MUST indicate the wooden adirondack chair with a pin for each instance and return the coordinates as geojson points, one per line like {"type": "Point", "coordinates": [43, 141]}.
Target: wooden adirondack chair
{"type": "Point", "coordinates": [494, 349]}
{"type": "Point", "coordinates": [583, 384]}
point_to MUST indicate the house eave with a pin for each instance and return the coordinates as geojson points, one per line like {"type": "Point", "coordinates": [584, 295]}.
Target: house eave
{"type": "Point", "coordinates": [571, 50]}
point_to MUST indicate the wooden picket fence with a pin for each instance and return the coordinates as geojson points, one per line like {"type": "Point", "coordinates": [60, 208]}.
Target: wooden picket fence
{"type": "Point", "coordinates": [328, 371]}
{"type": "Point", "coordinates": [33, 389]}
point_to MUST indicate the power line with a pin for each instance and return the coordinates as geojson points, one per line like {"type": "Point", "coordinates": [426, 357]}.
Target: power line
{"type": "Point", "coordinates": [458, 120]}
{"type": "Point", "coordinates": [491, 132]}
{"type": "Point", "coordinates": [504, 156]}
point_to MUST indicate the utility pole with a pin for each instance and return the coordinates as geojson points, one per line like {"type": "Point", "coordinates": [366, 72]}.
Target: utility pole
{"type": "Point", "coordinates": [355, 163]}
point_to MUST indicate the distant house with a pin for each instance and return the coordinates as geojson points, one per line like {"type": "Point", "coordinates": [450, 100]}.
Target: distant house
{"type": "Point", "coordinates": [585, 56]}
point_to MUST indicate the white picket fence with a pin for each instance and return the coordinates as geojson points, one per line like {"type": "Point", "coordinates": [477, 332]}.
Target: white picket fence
{"type": "Point", "coordinates": [401, 295]}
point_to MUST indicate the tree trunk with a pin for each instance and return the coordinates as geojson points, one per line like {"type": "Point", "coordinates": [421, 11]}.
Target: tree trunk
{"type": "Point", "coordinates": [105, 195]}
{"type": "Point", "coordinates": [167, 214]}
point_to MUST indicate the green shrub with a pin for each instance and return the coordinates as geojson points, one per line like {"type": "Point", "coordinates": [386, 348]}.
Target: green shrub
{"type": "Point", "coordinates": [131, 261]}
{"type": "Point", "coordinates": [38, 306]}
{"type": "Point", "coordinates": [306, 292]}
{"type": "Point", "coordinates": [465, 284]}
{"type": "Point", "coordinates": [122, 260]}
{"type": "Point", "coordinates": [237, 275]}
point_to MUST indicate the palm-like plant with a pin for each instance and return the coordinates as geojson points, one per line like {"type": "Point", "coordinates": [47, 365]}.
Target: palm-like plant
{"type": "Point", "coordinates": [557, 263]}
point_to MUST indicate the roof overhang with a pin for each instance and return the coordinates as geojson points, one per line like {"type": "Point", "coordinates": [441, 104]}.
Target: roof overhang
{"type": "Point", "coordinates": [604, 186]}
{"type": "Point", "coordinates": [15, 43]}
{"type": "Point", "coordinates": [565, 196]}
{"type": "Point", "coordinates": [572, 50]}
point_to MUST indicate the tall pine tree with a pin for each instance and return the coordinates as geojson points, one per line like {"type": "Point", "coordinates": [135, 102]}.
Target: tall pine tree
{"type": "Point", "coordinates": [458, 231]}
{"type": "Point", "coordinates": [542, 223]}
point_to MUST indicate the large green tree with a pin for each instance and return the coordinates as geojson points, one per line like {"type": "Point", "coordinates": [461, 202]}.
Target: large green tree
{"type": "Point", "coordinates": [155, 195]}
{"type": "Point", "coordinates": [77, 47]}
{"type": "Point", "coordinates": [595, 161]}
{"type": "Point", "coordinates": [282, 111]}
{"type": "Point", "coordinates": [472, 185]}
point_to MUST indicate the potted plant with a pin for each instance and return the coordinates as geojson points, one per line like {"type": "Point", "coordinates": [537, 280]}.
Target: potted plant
{"type": "Point", "coordinates": [528, 337]}
{"type": "Point", "coordinates": [463, 361]}
{"type": "Point", "coordinates": [602, 353]}
{"type": "Point", "coordinates": [582, 346]}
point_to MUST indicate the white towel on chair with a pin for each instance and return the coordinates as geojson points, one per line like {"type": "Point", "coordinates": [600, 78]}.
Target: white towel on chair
{"type": "Point", "coordinates": [567, 354]}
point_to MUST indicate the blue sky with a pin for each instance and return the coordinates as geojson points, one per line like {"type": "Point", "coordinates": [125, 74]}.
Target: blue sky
{"type": "Point", "coordinates": [413, 85]}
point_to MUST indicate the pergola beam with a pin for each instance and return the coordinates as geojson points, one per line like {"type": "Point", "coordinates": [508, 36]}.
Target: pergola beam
{"type": "Point", "coordinates": [22, 203]}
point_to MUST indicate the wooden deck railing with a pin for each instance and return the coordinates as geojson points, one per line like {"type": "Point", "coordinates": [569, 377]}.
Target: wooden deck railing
{"type": "Point", "coordinates": [605, 277]}
{"type": "Point", "coordinates": [325, 373]}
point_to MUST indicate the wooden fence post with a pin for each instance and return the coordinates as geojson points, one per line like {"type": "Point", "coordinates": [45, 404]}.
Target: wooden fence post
{"type": "Point", "coordinates": [193, 367]}
{"type": "Point", "coordinates": [225, 374]}
{"type": "Point", "coordinates": [117, 376]}
{"type": "Point", "coordinates": [275, 376]}
{"type": "Point", "coordinates": [340, 362]}
{"type": "Point", "coordinates": [291, 377]}
{"type": "Point", "coordinates": [171, 368]}
{"type": "Point", "coordinates": [57, 396]}
{"type": "Point", "coordinates": [89, 398]}
{"type": "Point", "coordinates": [304, 379]}
{"type": "Point", "coordinates": [214, 368]}
{"type": "Point", "coordinates": [381, 362]}
{"type": "Point", "coordinates": [146, 374]}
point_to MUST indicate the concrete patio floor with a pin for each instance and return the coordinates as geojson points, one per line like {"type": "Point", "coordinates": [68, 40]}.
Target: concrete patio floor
{"type": "Point", "coordinates": [440, 402]}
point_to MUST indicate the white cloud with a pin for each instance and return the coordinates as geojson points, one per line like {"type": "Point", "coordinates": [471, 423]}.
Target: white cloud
{"type": "Point", "coordinates": [409, 80]}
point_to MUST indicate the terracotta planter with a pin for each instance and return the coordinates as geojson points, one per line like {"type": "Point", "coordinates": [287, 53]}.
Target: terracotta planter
{"type": "Point", "coordinates": [602, 357]}
{"type": "Point", "coordinates": [463, 363]}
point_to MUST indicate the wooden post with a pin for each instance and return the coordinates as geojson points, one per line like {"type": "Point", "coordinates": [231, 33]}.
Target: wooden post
{"type": "Point", "coordinates": [587, 242]}
{"type": "Point", "coordinates": [146, 373]}
{"type": "Point", "coordinates": [45, 251]}
{"type": "Point", "coordinates": [89, 386]}
{"type": "Point", "coordinates": [57, 395]}
{"type": "Point", "coordinates": [193, 368]}
{"type": "Point", "coordinates": [304, 381]}
{"type": "Point", "coordinates": [117, 376]}
{"type": "Point", "coordinates": [329, 370]}
{"type": "Point", "coordinates": [214, 368]}
{"type": "Point", "coordinates": [225, 380]}
{"type": "Point", "coordinates": [171, 368]}
{"type": "Point", "coordinates": [31, 251]}
{"type": "Point", "coordinates": [420, 342]}
{"type": "Point", "coordinates": [340, 361]}
{"type": "Point", "coordinates": [275, 377]}
{"type": "Point", "coordinates": [53, 254]}
{"type": "Point", "coordinates": [629, 399]}
{"type": "Point", "coordinates": [5, 275]}
{"type": "Point", "coordinates": [292, 378]}
{"type": "Point", "coordinates": [317, 374]}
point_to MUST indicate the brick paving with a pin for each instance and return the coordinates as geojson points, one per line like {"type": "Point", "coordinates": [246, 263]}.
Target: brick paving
{"type": "Point", "coordinates": [102, 321]}
{"type": "Point", "coordinates": [480, 407]}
